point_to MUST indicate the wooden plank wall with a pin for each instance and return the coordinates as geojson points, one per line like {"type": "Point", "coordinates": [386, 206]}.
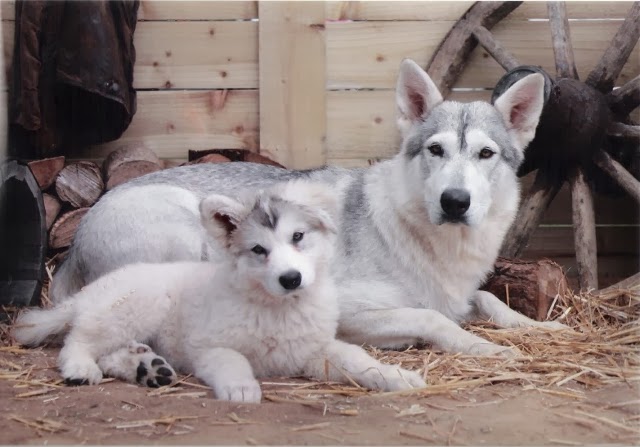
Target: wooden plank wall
{"type": "Point", "coordinates": [198, 76]}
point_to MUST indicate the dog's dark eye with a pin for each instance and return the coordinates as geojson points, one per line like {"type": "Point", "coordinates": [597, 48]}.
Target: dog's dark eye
{"type": "Point", "coordinates": [259, 250]}
{"type": "Point", "coordinates": [297, 236]}
{"type": "Point", "coordinates": [486, 153]}
{"type": "Point", "coordinates": [436, 150]}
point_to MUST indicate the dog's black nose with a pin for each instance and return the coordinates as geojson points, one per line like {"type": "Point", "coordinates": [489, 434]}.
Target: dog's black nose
{"type": "Point", "coordinates": [455, 202]}
{"type": "Point", "coordinates": [291, 280]}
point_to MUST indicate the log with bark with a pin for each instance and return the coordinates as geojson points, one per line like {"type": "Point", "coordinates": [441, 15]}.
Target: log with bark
{"type": "Point", "coordinates": [46, 170]}
{"type": "Point", "coordinates": [129, 162]}
{"type": "Point", "coordinates": [529, 287]}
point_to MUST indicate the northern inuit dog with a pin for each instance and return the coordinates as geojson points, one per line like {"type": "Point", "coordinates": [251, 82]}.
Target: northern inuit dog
{"type": "Point", "coordinates": [268, 309]}
{"type": "Point", "coordinates": [417, 233]}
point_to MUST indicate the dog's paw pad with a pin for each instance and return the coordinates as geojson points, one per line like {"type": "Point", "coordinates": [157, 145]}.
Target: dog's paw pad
{"type": "Point", "coordinates": [155, 373]}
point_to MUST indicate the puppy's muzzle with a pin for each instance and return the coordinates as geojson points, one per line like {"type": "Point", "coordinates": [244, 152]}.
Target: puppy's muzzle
{"type": "Point", "coordinates": [290, 280]}
{"type": "Point", "coordinates": [455, 203]}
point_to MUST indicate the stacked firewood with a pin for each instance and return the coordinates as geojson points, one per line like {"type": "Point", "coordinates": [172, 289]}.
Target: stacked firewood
{"type": "Point", "coordinates": [70, 189]}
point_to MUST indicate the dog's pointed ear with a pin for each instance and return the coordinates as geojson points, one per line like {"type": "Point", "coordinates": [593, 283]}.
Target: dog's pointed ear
{"type": "Point", "coordinates": [221, 215]}
{"type": "Point", "coordinates": [416, 95]}
{"type": "Point", "coordinates": [318, 201]}
{"type": "Point", "coordinates": [521, 106]}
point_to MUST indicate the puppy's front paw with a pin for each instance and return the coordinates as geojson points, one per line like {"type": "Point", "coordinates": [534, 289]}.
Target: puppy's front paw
{"type": "Point", "coordinates": [247, 391]}
{"type": "Point", "coordinates": [81, 372]}
{"type": "Point", "coordinates": [397, 379]}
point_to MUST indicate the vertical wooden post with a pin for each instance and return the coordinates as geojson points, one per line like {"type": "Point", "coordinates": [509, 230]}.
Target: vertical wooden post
{"type": "Point", "coordinates": [292, 82]}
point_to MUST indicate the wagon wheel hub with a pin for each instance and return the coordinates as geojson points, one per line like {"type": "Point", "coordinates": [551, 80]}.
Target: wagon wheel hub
{"type": "Point", "coordinates": [572, 126]}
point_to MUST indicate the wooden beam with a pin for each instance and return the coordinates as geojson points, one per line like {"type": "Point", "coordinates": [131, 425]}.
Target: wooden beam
{"type": "Point", "coordinates": [626, 98]}
{"type": "Point", "coordinates": [561, 38]}
{"type": "Point", "coordinates": [495, 48]}
{"type": "Point", "coordinates": [614, 58]}
{"type": "Point", "coordinates": [584, 232]}
{"type": "Point", "coordinates": [617, 172]}
{"type": "Point", "coordinates": [533, 206]}
{"type": "Point", "coordinates": [292, 67]}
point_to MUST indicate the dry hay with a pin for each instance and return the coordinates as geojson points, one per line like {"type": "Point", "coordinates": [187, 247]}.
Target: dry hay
{"type": "Point", "coordinates": [601, 349]}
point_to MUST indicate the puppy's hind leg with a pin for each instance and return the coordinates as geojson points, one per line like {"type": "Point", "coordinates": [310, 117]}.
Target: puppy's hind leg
{"type": "Point", "coordinates": [137, 363]}
{"type": "Point", "coordinates": [229, 373]}
{"type": "Point", "coordinates": [341, 361]}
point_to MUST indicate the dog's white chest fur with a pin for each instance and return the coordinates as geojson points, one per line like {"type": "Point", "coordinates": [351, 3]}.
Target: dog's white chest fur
{"type": "Point", "coordinates": [277, 338]}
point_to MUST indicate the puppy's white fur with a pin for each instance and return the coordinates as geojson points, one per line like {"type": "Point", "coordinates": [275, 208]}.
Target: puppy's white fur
{"type": "Point", "coordinates": [225, 322]}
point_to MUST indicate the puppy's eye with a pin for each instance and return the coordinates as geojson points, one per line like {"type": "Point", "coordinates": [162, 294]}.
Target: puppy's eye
{"type": "Point", "coordinates": [436, 150]}
{"type": "Point", "coordinates": [297, 236]}
{"type": "Point", "coordinates": [259, 250]}
{"type": "Point", "coordinates": [486, 153]}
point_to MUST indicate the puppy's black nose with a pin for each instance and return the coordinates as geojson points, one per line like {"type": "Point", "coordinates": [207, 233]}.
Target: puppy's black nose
{"type": "Point", "coordinates": [291, 280]}
{"type": "Point", "coordinates": [455, 202]}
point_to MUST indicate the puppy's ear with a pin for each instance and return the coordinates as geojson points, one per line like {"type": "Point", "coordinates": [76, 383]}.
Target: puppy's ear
{"type": "Point", "coordinates": [319, 202]}
{"type": "Point", "coordinates": [416, 95]}
{"type": "Point", "coordinates": [521, 106]}
{"type": "Point", "coordinates": [221, 215]}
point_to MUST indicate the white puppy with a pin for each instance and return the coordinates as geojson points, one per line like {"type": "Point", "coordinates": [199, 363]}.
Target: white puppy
{"type": "Point", "coordinates": [269, 308]}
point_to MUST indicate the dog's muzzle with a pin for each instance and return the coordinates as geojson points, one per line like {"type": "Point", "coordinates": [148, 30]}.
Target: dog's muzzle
{"type": "Point", "coordinates": [455, 203]}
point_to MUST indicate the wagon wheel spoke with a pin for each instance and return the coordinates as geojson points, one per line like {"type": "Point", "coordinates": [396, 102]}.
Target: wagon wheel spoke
{"type": "Point", "coordinates": [617, 172]}
{"type": "Point", "coordinates": [449, 59]}
{"type": "Point", "coordinates": [623, 100]}
{"type": "Point", "coordinates": [533, 206]}
{"type": "Point", "coordinates": [610, 65]}
{"type": "Point", "coordinates": [584, 232]}
{"type": "Point", "coordinates": [495, 48]}
{"type": "Point", "coordinates": [561, 40]}
{"type": "Point", "coordinates": [626, 131]}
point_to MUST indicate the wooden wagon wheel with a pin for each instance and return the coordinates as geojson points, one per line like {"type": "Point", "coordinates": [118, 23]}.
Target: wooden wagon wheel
{"type": "Point", "coordinates": [584, 128]}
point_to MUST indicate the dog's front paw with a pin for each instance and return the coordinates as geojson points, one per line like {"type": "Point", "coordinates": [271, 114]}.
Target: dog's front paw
{"type": "Point", "coordinates": [247, 391]}
{"type": "Point", "coordinates": [81, 372]}
{"type": "Point", "coordinates": [153, 371]}
{"type": "Point", "coordinates": [396, 379]}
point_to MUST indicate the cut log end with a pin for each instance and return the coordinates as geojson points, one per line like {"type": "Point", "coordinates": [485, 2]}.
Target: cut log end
{"type": "Point", "coordinates": [46, 170]}
{"type": "Point", "coordinates": [129, 162]}
{"type": "Point", "coordinates": [63, 230]}
{"type": "Point", "coordinates": [529, 287]}
{"type": "Point", "coordinates": [80, 184]}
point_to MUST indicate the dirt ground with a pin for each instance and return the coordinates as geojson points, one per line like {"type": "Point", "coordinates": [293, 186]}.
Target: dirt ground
{"type": "Point", "coordinates": [35, 409]}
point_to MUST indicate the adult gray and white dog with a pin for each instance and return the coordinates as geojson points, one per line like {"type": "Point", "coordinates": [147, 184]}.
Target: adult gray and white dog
{"type": "Point", "coordinates": [417, 234]}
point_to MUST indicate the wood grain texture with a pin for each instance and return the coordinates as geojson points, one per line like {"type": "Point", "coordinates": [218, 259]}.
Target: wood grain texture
{"type": "Point", "coordinates": [497, 51]}
{"type": "Point", "coordinates": [355, 10]}
{"type": "Point", "coordinates": [80, 184]}
{"type": "Point", "coordinates": [610, 66]}
{"type": "Point", "coordinates": [196, 55]}
{"type": "Point", "coordinates": [171, 123]}
{"type": "Point", "coordinates": [561, 39]}
{"type": "Point", "coordinates": [534, 203]}
{"type": "Point", "coordinates": [63, 230]}
{"type": "Point", "coordinates": [46, 170]}
{"type": "Point", "coordinates": [584, 232]}
{"type": "Point", "coordinates": [367, 54]}
{"type": "Point", "coordinates": [616, 171]}
{"type": "Point", "coordinates": [292, 83]}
